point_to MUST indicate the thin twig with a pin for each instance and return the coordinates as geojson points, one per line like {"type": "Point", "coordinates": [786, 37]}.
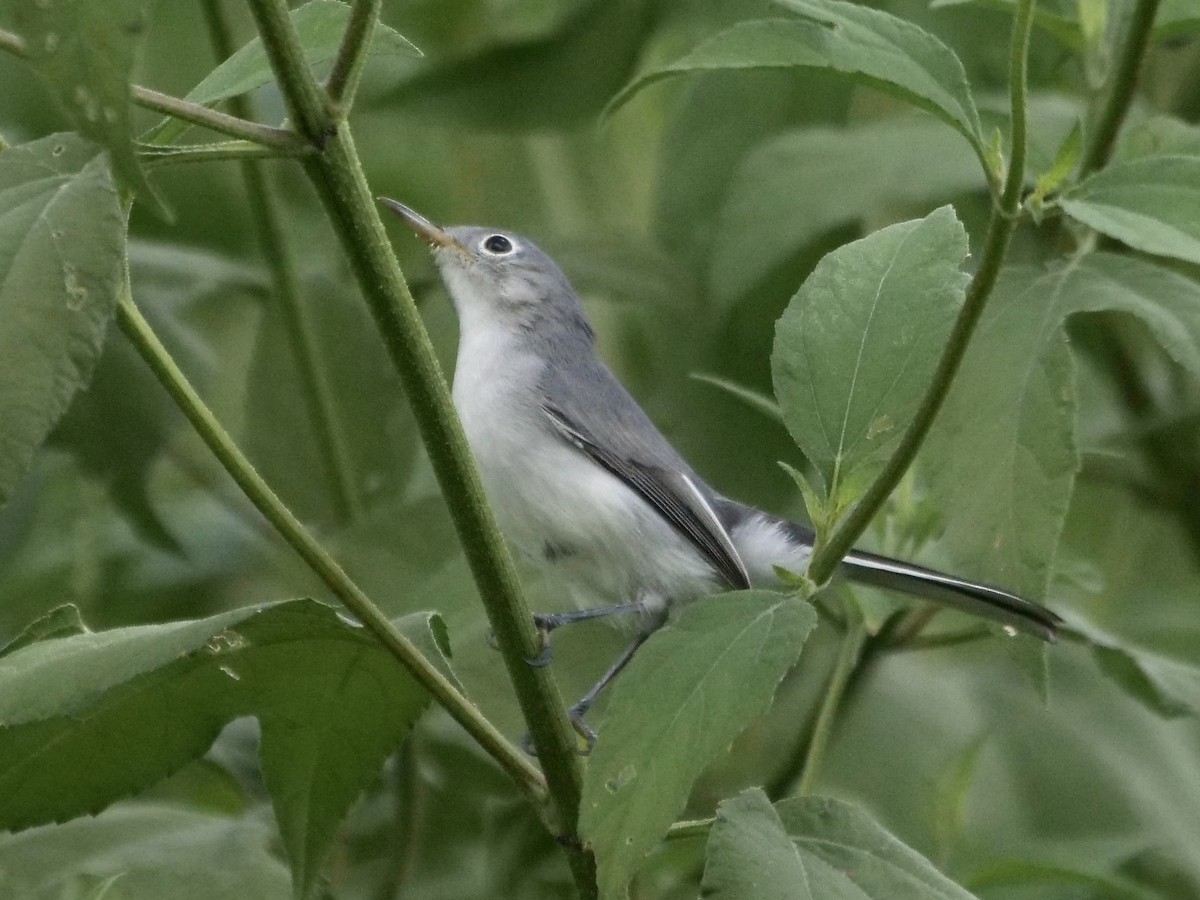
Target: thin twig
{"type": "Point", "coordinates": [156, 356]}
{"type": "Point", "coordinates": [343, 79]}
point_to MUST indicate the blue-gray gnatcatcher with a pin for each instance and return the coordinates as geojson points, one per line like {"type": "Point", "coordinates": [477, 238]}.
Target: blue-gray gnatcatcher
{"type": "Point", "coordinates": [582, 481]}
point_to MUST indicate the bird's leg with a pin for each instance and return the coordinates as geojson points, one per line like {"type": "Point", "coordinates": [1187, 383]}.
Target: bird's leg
{"type": "Point", "coordinates": [579, 710]}
{"type": "Point", "coordinates": [548, 622]}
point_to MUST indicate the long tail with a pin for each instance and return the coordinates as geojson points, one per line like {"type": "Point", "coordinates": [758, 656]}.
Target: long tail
{"type": "Point", "coordinates": [971, 597]}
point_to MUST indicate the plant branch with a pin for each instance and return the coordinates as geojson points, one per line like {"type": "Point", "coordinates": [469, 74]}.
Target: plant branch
{"type": "Point", "coordinates": [337, 175]}
{"type": "Point", "coordinates": [167, 155]}
{"type": "Point", "coordinates": [156, 356]}
{"type": "Point", "coordinates": [352, 54]}
{"type": "Point", "coordinates": [264, 206]}
{"type": "Point", "coordinates": [847, 660]}
{"type": "Point", "coordinates": [1003, 221]}
{"type": "Point", "coordinates": [183, 109]}
{"type": "Point", "coordinates": [1120, 91]}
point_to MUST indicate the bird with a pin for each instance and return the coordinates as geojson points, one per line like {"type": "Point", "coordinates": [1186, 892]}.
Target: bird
{"type": "Point", "coordinates": [583, 483]}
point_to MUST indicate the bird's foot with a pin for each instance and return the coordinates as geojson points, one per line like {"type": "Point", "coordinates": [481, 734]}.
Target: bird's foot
{"type": "Point", "coordinates": [585, 731]}
{"type": "Point", "coordinates": [546, 652]}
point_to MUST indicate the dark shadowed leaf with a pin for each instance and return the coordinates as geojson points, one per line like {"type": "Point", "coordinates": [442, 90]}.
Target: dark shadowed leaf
{"type": "Point", "coordinates": [553, 80]}
{"type": "Point", "coordinates": [856, 347]}
{"type": "Point", "coordinates": [688, 693]}
{"type": "Point", "coordinates": [1151, 204]}
{"type": "Point", "coordinates": [62, 236]}
{"type": "Point", "coordinates": [797, 186]}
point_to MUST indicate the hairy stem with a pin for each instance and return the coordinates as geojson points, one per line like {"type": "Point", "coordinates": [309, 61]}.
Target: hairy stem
{"type": "Point", "coordinates": [1120, 89]}
{"type": "Point", "coordinates": [337, 175]}
{"type": "Point", "coordinates": [218, 151]}
{"type": "Point", "coordinates": [995, 247]}
{"type": "Point", "coordinates": [263, 203]}
{"type": "Point", "coordinates": [352, 54]}
{"type": "Point", "coordinates": [156, 356]}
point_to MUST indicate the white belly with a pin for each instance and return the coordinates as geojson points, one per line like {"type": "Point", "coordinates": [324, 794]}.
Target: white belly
{"type": "Point", "coordinates": [554, 503]}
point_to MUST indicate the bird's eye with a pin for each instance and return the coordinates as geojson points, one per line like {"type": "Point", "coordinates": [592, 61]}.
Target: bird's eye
{"type": "Point", "coordinates": [498, 244]}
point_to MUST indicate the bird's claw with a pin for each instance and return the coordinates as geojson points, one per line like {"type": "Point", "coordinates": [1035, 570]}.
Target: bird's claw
{"type": "Point", "coordinates": [581, 727]}
{"type": "Point", "coordinates": [544, 658]}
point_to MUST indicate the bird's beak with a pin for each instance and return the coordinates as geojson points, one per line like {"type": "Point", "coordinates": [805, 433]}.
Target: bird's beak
{"type": "Point", "coordinates": [434, 235]}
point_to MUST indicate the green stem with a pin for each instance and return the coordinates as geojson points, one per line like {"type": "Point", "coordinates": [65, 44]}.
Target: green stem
{"type": "Point", "coordinates": [167, 155]}
{"type": "Point", "coordinates": [1003, 222]}
{"type": "Point", "coordinates": [264, 206]}
{"type": "Point", "coordinates": [1120, 92]}
{"type": "Point", "coordinates": [513, 761]}
{"type": "Point", "coordinates": [337, 175]}
{"type": "Point", "coordinates": [183, 109]}
{"type": "Point", "coordinates": [352, 54]}
{"type": "Point", "coordinates": [690, 828]}
{"type": "Point", "coordinates": [852, 642]}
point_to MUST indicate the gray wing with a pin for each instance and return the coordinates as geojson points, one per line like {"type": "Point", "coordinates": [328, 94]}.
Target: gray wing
{"type": "Point", "coordinates": [607, 425]}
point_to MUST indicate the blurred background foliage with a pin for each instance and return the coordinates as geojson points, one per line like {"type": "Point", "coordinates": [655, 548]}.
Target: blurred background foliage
{"type": "Point", "coordinates": [687, 220]}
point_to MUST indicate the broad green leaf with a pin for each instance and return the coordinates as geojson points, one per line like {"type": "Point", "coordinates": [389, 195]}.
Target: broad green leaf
{"type": "Point", "coordinates": [813, 848]}
{"type": "Point", "coordinates": [319, 24]}
{"type": "Point", "coordinates": [96, 716]}
{"type": "Point", "coordinates": [86, 51]}
{"type": "Point", "coordinates": [535, 83]}
{"type": "Point", "coordinates": [149, 851]}
{"type": "Point", "coordinates": [857, 857]}
{"type": "Point", "coordinates": [871, 46]}
{"type": "Point", "coordinates": [1001, 459]}
{"type": "Point", "coordinates": [749, 854]}
{"type": "Point", "coordinates": [688, 693]}
{"type": "Point", "coordinates": [793, 188]}
{"type": "Point", "coordinates": [62, 236]}
{"type": "Point", "coordinates": [1151, 204]}
{"type": "Point", "coordinates": [856, 346]}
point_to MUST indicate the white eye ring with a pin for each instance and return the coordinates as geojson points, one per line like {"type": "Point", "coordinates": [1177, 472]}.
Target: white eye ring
{"type": "Point", "coordinates": [497, 245]}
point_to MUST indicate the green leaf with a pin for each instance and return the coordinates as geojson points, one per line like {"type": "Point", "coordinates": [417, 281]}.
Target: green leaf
{"type": "Point", "coordinates": [855, 349]}
{"type": "Point", "coordinates": [1001, 460]}
{"type": "Point", "coordinates": [62, 621]}
{"type": "Point", "coordinates": [96, 716]}
{"type": "Point", "coordinates": [86, 51]}
{"type": "Point", "coordinates": [801, 184]}
{"type": "Point", "coordinates": [1065, 162]}
{"type": "Point", "coordinates": [749, 854]}
{"type": "Point", "coordinates": [871, 46]}
{"type": "Point", "coordinates": [62, 235]}
{"type": "Point", "coordinates": [813, 847]}
{"type": "Point", "coordinates": [148, 851]}
{"type": "Point", "coordinates": [687, 694]}
{"type": "Point", "coordinates": [319, 24]}
{"type": "Point", "coordinates": [1151, 204]}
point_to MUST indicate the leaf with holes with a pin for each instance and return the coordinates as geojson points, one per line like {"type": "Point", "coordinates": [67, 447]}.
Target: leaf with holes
{"type": "Point", "coordinates": [62, 236]}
